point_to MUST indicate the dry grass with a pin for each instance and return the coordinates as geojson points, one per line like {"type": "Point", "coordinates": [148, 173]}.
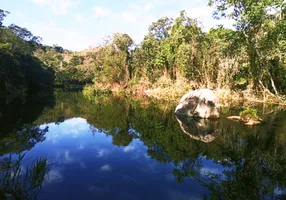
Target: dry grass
{"type": "Point", "coordinates": [165, 88]}
{"type": "Point", "coordinates": [170, 90]}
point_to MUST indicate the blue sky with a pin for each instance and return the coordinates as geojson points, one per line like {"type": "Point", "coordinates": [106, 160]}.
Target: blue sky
{"type": "Point", "coordinates": [79, 24]}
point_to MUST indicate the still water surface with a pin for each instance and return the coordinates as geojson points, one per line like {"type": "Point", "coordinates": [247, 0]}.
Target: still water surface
{"type": "Point", "coordinates": [118, 148]}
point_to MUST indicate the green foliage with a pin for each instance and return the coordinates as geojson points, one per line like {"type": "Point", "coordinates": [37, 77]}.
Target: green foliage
{"type": "Point", "coordinates": [90, 91]}
{"type": "Point", "coordinates": [249, 114]}
{"type": "Point", "coordinates": [262, 36]}
{"type": "Point", "coordinates": [111, 62]}
{"type": "Point", "coordinates": [20, 70]}
{"type": "Point", "coordinates": [76, 60]}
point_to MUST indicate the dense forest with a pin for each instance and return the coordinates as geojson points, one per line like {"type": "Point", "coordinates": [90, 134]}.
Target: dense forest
{"type": "Point", "coordinates": [176, 55]}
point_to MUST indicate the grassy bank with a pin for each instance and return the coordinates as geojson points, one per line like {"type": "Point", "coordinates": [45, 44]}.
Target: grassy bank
{"type": "Point", "coordinates": [167, 89]}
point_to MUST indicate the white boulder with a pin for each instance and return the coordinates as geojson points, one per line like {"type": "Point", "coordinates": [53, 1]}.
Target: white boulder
{"type": "Point", "coordinates": [202, 103]}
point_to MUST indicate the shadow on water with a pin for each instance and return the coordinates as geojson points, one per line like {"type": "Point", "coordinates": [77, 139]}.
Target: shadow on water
{"type": "Point", "coordinates": [249, 163]}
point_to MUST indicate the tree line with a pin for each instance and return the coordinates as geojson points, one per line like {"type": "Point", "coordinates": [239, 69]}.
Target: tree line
{"type": "Point", "coordinates": [250, 56]}
{"type": "Point", "coordinates": [20, 70]}
{"type": "Point", "coordinates": [28, 67]}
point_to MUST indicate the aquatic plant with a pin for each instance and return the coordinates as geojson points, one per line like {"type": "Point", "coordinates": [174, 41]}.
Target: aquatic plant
{"type": "Point", "coordinates": [249, 114]}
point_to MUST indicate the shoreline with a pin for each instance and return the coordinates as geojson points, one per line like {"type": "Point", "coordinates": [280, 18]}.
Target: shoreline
{"type": "Point", "coordinates": [227, 97]}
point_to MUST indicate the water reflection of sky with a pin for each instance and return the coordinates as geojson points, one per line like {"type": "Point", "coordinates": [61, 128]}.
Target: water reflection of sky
{"type": "Point", "coordinates": [87, 166]}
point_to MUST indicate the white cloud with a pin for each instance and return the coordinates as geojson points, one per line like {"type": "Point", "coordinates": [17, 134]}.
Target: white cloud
{"type": "Point", "coordinates": [140, 8]}
{"type": "Point", "coordinates": [76, 37]}
{"type": "Point", "coordinates": [54, 176]}
{"type": "Point", "coordinates": [68, 159]}
{"type": "Point", "coordinates": [161, 2]}
{"type": "Point", "coordinates": [201, 12]}
{"type": "Point", "coordinates": [134, 6]}
{"type": "Point", "coordinates": [101, 11]}
{"type": "Point", "coordinates": [58, 6]}
{"type": "Point", "coordinates": [81, 146]}
{"type": "Point", "coordinates": [102, 153]}
{"type": "Point", "coordinates": [105, 168]}
{"type": "Point", "coordinates": [206, 170]}
{"type": "Point", "coordinates": [79, 18]}
{"type": "Point", "coordinates": [147, 7]}
{"type": "Point", "coordinates": [128, 16]}
{"type": "Point", "coordinates": [75, 121]}
{"type": "Point", "coordinates": [40, 2]}
{"type": "Point", "coordinates": [128, 148]}
{"type": "Point", "coordinates": [146, 156]}
{"type": "Point", "coordinates": [74, 126]}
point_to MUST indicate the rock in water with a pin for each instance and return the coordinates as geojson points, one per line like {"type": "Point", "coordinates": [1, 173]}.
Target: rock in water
{"type": "Point", "coordinates": [202, 103]}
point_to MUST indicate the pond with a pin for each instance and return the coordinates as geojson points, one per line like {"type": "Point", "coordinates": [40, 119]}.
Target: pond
{"type": "Point", "coordinates": [114, 147]}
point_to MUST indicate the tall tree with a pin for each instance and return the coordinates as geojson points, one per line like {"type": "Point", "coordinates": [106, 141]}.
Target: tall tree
{"type": "Point", "coordinates": [251, 19]}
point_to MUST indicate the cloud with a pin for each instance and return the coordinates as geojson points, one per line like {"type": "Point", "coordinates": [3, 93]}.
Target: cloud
{"type": "Point", "coordinates": [206, 170]}
{"type": "Point", "coordinates": [79, 18]}
{"type": "Point", "coordinates": [105, 168]}
{"type": "Point", "coordinates": [146, 156]}
{"type": "Point", "coordinates": [58, 6]}
{"type": "Point", "coordinates": [128, 16]}
{"type": "Point", "coordinates": [67, 157]}
{"type": "Point", "coordinates": [82, 165]}
{"type": "Point", "coordinates": [81, 146]}
{"type": "Point", "coordinates": [147, 7]}
{"type": "Point", "coordinates": [54, 176]}
{"type": "Point", "coordinates": [128, 148]}
{"type": "Point", "coordinates": [102, 153]}
{"type": "Point", "coordinates": [76, 37]}
{"type": "Point", "coordinates": [40, 2]}
{"type": "Point", "coordinates": [161, 2]}
{"type": "Point", "coordinates": [167, 2]}
{"type": "Point", "coordinates": [201, 12]}
{"type": "Point", "coordinates": [134, 6]}
{"type": "Point", "coordinates": [73, 127]}
{"type": "Point", "coordinates": [101, 11]}
{"type": "Point", "coordinates": [75, 121]}
{"type": "Point", "coordinates": [139, 8]}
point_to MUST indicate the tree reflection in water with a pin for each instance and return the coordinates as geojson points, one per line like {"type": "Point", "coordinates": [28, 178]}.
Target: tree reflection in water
{"type": "Point", "coordinates": [17, 182]}
{"type": "Point", "coordinates": [251, 162]}
{"type": "Point", "coordinates": [255, 160]}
